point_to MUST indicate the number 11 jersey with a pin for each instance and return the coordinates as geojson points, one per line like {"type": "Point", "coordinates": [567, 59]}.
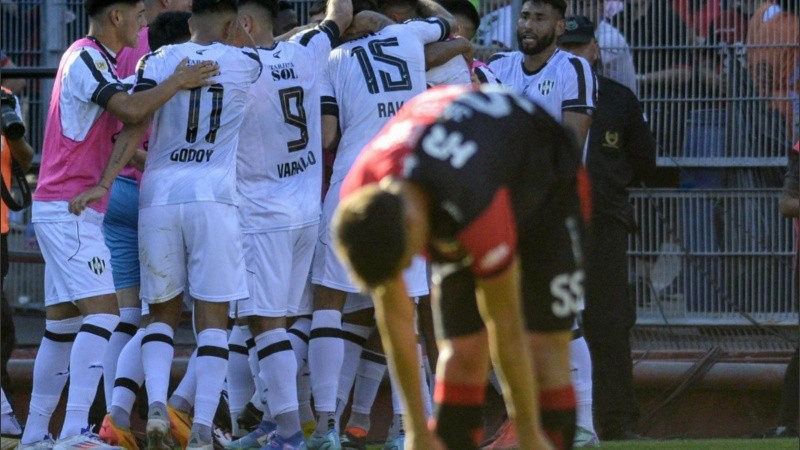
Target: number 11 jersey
{"type": "Point", "coordinates": [192, 150]}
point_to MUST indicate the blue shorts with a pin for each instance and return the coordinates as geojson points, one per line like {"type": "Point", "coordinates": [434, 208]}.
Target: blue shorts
{"type": "Point", "coordinates": [120, 230]}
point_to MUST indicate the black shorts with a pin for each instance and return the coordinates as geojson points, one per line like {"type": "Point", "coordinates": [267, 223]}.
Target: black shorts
{"type": "Point", "coordinates": [551, 284]}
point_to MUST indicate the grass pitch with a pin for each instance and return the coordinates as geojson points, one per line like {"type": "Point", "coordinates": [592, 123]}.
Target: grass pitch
{"type": "Point", "coordinates": [686, 444]}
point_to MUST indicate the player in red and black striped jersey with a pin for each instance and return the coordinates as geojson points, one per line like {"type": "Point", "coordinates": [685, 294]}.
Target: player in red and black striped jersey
{"type": "Point", "coordinates": [452, 176]}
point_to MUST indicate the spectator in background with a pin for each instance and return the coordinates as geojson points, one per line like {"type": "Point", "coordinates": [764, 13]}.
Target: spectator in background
{"type": "Point", "coordinates": [15, 85]}
{"type": "Point", "coordinates": [773, 56]}
{"type": "Point", "coordinates": [790, 207]}
{"type": "Point", "coordinates": [16, 149]}
{"type": "Point", "coordinates": [621, 149]}
{"type": "Point", "coordinates": [497, 26]}
{"type": "Point", "coordinates": [286, 20]}
{"type": "Point", "coordinates": [615, 53]}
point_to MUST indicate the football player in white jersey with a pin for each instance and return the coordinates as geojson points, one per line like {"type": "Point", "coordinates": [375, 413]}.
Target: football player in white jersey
{"type": "Point", "coordinates": [279, 173]}
{"type": "Point", "coordinates": [562, 83]}
{"type": "Point", "coordinates": [367, 80]}
{"type": "Point", "coordinates": [188, 223]}
{"type": "Point", "coordinates": [88, 102]}
{"type": "Point", "coordinates": [565, 86]}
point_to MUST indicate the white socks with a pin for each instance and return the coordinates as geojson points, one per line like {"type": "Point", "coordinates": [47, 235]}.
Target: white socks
{"type": "Point", "coordinates": [50, 373]}
{"type": "Point", "coordinates": [278, 372]}
{"type": "Point", "coordinates": [211, 367]}
{"type": "Point", "coordinates": [86, 368]}
{"type": "Point", "coordinates": [157, 354]}
{"type": "Point", "coordinates": [129, 320]}
{"type": "Point", "coordinates": [240, 381]}
{"type": "Point", "coordinates": [581, 364]}
{"type": "Point", "coordinates": [325, 355]}
{"type": "Point", "coordinates": [354, 338]}
{"type": "Point", "coordinates": [130, 376]}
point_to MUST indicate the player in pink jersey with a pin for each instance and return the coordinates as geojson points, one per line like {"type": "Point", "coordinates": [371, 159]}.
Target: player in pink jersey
{"type": "Point", "coordinates": [87, 104]}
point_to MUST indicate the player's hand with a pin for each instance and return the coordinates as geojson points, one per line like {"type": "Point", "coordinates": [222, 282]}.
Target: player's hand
{"type": "Point", "coordinates": [426, 440]}
{"type": "Point", "coordinates": [190, 77]}
{"type": "Point", "coordinates": [79, 203]}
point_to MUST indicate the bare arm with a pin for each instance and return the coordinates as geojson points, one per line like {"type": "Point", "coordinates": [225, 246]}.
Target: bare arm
{"type": "Point", "coordinates": [500, 306]}
{"type": "Point", "coordinates": [136, 107]}
{"type": "Point", "coordinates": [438, 53]}
{"type": "Point", "coordinates": [128, 142]}
{"type": "Point", "coordinates": [394, 313]}
{"type": "Point", "coordinates": [138, 160]}
{"type": "Point", "coordinates": [330, 132]}
{"type": "Point", "coordinates": [578, 124]}
{"type": "Point", "coordinates": [21, 151]}
{"type": "Point", "coordinates": [341, 12]}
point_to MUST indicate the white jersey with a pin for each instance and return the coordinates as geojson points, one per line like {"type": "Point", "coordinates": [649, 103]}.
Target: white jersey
{"type": "Point", "coordinates": [192, 151]}
{"type": "Point", "coordinates": [279, 166]}
{"type": "Point", "coordinates": [565, 82]}
{"type": "Point", "coordinates": [454, 71]}
{"type": "Point", "coordinates": [371, 77]}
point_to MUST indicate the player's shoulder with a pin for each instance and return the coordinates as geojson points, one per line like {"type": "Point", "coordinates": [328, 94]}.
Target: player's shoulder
{"type": "Point", "coordinates": [502, 58]}
{"type": "Point", "coordinates": [567, 59]}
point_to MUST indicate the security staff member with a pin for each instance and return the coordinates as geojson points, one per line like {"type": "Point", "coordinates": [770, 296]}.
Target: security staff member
{"type": "Point", "coordinates": [621, 150]}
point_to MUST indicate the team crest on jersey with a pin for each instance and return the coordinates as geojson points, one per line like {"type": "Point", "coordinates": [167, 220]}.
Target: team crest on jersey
{"type": "Point", "coordinates": [101, 65]}
{"type": "Point", "coordinates": [611, 139]}
{"type": "Point", "coordinates": [97, 265]}
{"type": "Point", "coordinates": [546, 86]}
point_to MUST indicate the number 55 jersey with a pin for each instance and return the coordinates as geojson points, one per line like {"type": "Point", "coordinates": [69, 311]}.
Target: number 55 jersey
{"type": "Point", "coordinates": [192, 150]}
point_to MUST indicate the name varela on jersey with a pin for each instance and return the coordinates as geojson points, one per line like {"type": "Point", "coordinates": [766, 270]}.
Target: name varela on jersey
{"type": "Point", "coordinates": [298, 166]}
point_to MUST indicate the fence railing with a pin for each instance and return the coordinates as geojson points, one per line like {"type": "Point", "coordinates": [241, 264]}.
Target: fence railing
{"type": "Point", "coordinates": [712, 256]}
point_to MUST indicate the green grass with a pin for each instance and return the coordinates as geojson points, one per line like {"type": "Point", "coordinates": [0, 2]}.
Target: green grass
{"type": "Point", "coordinates": [685, 444]}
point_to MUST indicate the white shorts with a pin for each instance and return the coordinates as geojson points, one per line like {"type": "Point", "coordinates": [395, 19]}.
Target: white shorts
{"type": "Point", "coordinates": [416, 278]}
{"type": "Point", "coordinates": [327, 270]}
{"type": "Point", "coordinates": [196, 244]}
{"type": "Point", "coordinates": [277, 265]}
{"type": "Point", "coordinates": [77, 261]}
{"type": "Point", "coordinates": [306, 305]}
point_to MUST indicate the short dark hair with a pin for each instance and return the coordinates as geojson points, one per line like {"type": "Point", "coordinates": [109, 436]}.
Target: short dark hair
{"type": "Point", "coordinates": [269, 5]}
{"type": "Point", "coordinates": [94, 7]}
{"type": "Point", "coordinates": [464, 8]}
{"type": "Point", "coordinates": [383, 4]}
{"type": "Point", "coordinates": [169, 27]}
{"type": "Point", "coordinates": [214, 6]}
{"type": "Point", "coordinates": [369, 231]}
{"type": "Point", "coordinates": [560, 5]}
{"type": "Point", "coordinates": [320, 6]}
{"type": "Point", "coordinates": [364, 5]}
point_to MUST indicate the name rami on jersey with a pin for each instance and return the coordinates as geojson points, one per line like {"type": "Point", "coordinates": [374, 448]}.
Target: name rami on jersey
{"type": "Point", "coordinates": [298, 166]}
{"type": "Point", "coordinates": [388, 109]}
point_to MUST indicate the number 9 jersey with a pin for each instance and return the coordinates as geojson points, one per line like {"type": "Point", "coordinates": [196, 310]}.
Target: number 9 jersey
{"type": "Point", "coordinates": [192, 150]}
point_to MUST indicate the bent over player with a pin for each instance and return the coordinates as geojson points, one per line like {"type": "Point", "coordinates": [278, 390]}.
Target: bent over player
{"type": "Point", "coordinates": [499, 216]}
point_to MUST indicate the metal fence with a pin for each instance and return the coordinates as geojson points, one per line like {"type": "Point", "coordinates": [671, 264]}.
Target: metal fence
{"type": "Point", "coordinates": [712, 256]}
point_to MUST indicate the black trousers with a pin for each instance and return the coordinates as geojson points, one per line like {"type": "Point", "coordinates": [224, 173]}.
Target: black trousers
{"type": "Point", "coordinates": [607, 321]}
{"type": "Point", "coordinates": [7, 333]}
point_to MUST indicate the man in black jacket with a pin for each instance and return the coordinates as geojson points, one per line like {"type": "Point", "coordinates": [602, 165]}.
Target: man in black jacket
{"type": "Point", "coordinates": [620, 150]}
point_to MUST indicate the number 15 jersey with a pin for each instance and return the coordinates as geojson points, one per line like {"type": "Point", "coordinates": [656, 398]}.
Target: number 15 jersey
{"type": "Point", "coordinates": [370, 79]}
{"type": "Point", "coordinates": [192, 151]}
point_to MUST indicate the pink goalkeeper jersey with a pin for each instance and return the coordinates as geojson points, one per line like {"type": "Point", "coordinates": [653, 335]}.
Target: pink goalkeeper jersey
{"type": "Point", "coordinates": [79, 130]}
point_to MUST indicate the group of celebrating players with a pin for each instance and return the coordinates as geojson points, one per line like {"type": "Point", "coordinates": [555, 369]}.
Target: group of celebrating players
{"type": "Point", "coordinates": [194, 177]}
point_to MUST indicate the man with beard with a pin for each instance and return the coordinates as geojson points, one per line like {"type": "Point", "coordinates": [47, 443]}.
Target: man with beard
{"type": "Point", "coordinates": [563, 84]}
